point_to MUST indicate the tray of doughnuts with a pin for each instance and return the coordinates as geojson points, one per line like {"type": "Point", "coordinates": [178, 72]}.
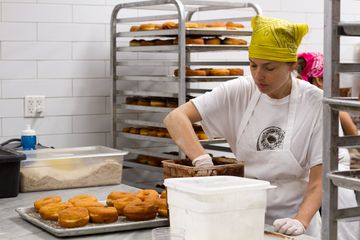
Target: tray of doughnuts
{"type": "Point", "coordinates": [84, 214]}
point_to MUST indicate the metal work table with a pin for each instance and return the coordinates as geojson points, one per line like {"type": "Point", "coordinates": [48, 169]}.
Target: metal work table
{"type": "Point", "coordinates": [14, 227]}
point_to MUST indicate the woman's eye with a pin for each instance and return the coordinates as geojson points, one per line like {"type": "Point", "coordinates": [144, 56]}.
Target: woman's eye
{"type": "Point", "coordinates": [269, 69]}
{"type": "Point", "coordinates": [253, 66]}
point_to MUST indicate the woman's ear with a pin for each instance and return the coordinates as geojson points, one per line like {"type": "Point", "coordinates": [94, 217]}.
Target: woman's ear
{"type": "Point", "coordinates": [318, 82]}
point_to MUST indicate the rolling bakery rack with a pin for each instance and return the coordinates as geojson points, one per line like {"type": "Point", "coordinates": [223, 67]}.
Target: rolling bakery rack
{"type": "Point", "coordinates": [127, 84]}
{"type": "Point", "coordinates": [332, 179]}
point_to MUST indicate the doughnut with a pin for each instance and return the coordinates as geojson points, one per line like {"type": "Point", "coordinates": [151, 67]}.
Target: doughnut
{"type": "Point", "coordinates": [150, 26]}
{"type": "Point", "coordinates": [135, 43]}
{"type": "Point", "coordinates": [148, 43]}
{"type": "Point", "coordinates": [154, 161]}
{"type": "Point", "coordinates": [46, 200]}
{"type": "Point", "coordinates": [234, 41]}
{"type": "Point", "coordinates": [120, 203]}
{"type": "Point", "coordinates": [163, 207]}
{"type": "Point", "coordinates": [236, 71]}
{"type": "Point", "coordinates": [172, 103]}
{"type": "Point", "coordinates": [201, 135]}
{"type": "Point", "coordinates": [143, 101]}
{"type": "Point", "coordinates": [157, 102]}
{"type": "Point", "coordinates": [234, 26]}
{"type": "Point", "coordinates": [134, 130]}
{"type": "Point", "coordinates": [191, 25]}
{"type": "Point", "coordinates": [103, 214]}
{"type": "Point", "coordinates": [87, 204]}
{"type": "Point", "coordinates": [134, 28]}
{"type": "Point", "coordinates": [126, 130]}
{"type": "Point", "coordinates": [51, 210]}
{"type": "Point", "coordinates": [169, 25]}
{"type": "Point", "coordinates": [140, 211]}
{"type": "Point", "coordinates": [192, 72]}
{"type": "Point", "coordinates": [191, 41]}
{"type": "Point", "coordinates": [144, 131]}
{"type": "Point", "coordinates": [83, 197]}
{"type": "Point", "coordinates": [147, 194]}
{"type": "Point", "coordinates": [216, 25]}
{"type": "Point", "coordinates": [161, 132]}
{"type": "Point", "coordinates": [212, 41]}
{"type": "Point", "coordinates": [73, 217]}
{"type": "Point", "coordinates": [160, 42]}
{"type": "Point", "coordinates": [163, 194]}
{"type": "Point", "coordinates": [116, 195]}
{"type": "Point", "coordinates": [132, 100]}
{"type": "Point", "coordinates": [219, 72]}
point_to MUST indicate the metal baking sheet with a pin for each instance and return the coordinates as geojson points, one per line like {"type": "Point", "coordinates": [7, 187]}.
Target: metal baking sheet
{"type": "Point", "coordinates": [347, 179]}
{"type": "Point", "coordinates": [30, 215]}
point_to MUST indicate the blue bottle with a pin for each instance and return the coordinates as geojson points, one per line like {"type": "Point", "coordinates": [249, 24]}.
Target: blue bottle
{"type": "Point", "coordinates": [28, 138]}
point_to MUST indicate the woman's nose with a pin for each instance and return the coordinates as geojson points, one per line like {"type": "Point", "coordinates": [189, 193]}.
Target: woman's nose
{"type": "Point", "coordinates": [258, 74]}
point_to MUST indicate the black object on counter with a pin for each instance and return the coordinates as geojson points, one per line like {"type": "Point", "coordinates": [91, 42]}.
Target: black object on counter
{"type": "Point", "coordinates": [9, 172]}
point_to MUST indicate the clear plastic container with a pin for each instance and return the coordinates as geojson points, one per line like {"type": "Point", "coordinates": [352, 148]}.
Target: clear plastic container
{"type": "Point", "coordinates": [48, 169]}
{"type": "Point", "coordinates": [218, 207]}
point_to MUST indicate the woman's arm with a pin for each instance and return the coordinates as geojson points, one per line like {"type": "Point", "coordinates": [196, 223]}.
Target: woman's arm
{"type": "Point", "coordinates": [312, 199]}
{"type": "Point", "coordinates": [347, 124]}
{"type": "Point", "coordinates": [179, 124]}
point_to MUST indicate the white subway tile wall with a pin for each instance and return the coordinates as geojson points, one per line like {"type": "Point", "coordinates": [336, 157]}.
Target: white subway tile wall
{"type": "Point", "coordinates": [61, 49]}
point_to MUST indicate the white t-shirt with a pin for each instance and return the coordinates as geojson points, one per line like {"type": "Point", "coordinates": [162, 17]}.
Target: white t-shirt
{"type": "Point", "coordinates": [222, 110]}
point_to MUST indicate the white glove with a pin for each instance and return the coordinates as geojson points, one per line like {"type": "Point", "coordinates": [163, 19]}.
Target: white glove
{"type": "Point", "coordinates": [289, 226]}
{"type": "Point", "coordinates": [203, 161]}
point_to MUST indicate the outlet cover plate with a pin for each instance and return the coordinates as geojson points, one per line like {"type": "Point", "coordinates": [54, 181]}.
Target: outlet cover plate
{"type": "Point", "coordinates": [34, 106]}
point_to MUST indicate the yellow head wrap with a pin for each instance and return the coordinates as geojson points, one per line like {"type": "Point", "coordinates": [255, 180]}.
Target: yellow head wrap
{"type": "Point", "coordinates": [275, 39]}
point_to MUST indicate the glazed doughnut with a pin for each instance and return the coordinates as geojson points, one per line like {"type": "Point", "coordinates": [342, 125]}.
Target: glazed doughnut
{"type": "Point", "coordinates": [51, 210]}
{"type": "Point", "coordinates": [73, 217]}
{"type": "Point", "coordinates": [147, 194]}
{"type": "Point", "coordinates": [219, 72]}
{"type": "Point", "coordinates": [234, 26]}
{"type": "Point", "coordinates": [103, 214]}
{"type": "Point", "coordinates": [163, 194]}
{"type": "Point", "coordinates": [163, 207]}
{"type": "Point", "coordinates": [134, 28]}
{"type": "Point", "coordinates": [236, 71]}
{"type": "Point", "coordinates": [149, 27]}
{"type": "Point", "coordinates": [201, 135]}
{"type": "Point", "coordinates": [212, 41]}
{"type": "Point", "coordinates": [120, 203]}
{"type": "Point", "coordinates": [83, 197]}
{"type": "Point", "coordinates": [216, 25]}
{"type": "Point", "coordinates": [87, 204]}
{"type": "Point", "coordinates": [46, 200]}
{"type": "Point", "coordinates": [116, 195]}
{"type": "Point", "coordinates": [140, 211]}
{"type": "Point", "coordinates": [234, 41]}
{"type": "Point", "coordinates": [169, 25]}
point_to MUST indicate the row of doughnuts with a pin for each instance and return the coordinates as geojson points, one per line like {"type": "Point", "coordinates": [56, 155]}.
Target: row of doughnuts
{"type": "Point", "coordinates": [160, 132]}
{"type": "Point", "coordinates": [189, 40]}
{"type": "Point", "coordinates": [173, 25]}
{"type": "Point", "coordinates": [153, 161]}
{"type": "Point", "coordinates": [212, 72]}
{"type": "Point", "coordinates": [82, 209]}
{"type": "Point", "coordinates": [152, 101]}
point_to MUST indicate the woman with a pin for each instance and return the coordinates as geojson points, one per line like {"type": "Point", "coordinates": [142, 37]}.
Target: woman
{"type": "Point", "coordinates": [271, 121]}
{"type": "Point", "coordinates": [310, 67]}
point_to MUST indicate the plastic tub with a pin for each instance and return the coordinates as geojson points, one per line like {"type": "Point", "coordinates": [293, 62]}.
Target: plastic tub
{"type": "Point", "coordinates": [9, 172]}
{"type": "Point", "coordinates": [48, 169]}
{"type": "Point", "coordinates": [218, 207]}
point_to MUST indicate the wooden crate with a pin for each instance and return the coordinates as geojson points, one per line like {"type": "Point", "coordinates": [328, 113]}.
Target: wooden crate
{"type": "Point", "coordinates": [184, 168]}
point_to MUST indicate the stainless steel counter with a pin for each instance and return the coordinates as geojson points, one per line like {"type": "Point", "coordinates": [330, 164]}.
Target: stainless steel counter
{"type": "Point", "coordinates": [14, 227]}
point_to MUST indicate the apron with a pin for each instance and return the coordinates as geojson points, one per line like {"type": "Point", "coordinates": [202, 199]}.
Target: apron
{"type": "Point", "coordinates": [279, 167]}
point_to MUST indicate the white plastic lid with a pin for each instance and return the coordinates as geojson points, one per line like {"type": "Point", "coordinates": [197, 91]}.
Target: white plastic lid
{"type": "Point", "coordinates": [28, 131]}
{"type": "Point", "coordinates": [215, 184]}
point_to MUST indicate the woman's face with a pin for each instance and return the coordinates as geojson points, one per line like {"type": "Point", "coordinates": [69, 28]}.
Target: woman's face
{"type": "Point", "coordinates": [272, 78]}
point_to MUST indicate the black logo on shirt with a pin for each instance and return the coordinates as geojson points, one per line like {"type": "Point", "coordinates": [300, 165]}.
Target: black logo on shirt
{"type": "Point", "coordinates": [270, 138]}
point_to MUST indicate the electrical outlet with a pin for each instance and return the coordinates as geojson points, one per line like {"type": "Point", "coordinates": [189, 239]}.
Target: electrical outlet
{"type": "Point", "coordinates": [34, 106]}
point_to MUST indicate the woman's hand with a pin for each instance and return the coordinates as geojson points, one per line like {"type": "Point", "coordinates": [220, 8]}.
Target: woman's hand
{"type": "Point", "coordinates": [289, 226]}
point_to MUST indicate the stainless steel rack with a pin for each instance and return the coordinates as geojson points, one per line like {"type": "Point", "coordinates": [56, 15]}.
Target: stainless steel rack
{"type": "Point", "coordinates": [332, 179]}
{"type": "Point", "coordinates": [180, 11]}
